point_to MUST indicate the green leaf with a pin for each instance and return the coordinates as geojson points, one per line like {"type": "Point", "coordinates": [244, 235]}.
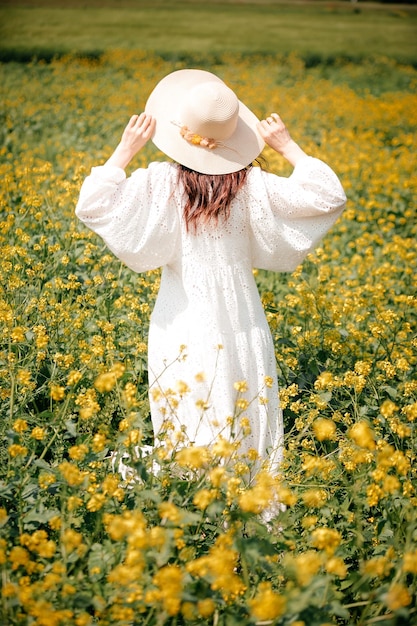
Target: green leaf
{"type": "Point", "coordinates": [71, 428]}
{"type": "Point", "coordinates": [345, 584]}
{"type": "Point", "coordinates": [391, 391]}
{"type": "Point", "coordinates": [41, 514]}
{"type": "Point", "coordinates": [337, 609]}
{"type": "Point", "coordinates": [30, 490]}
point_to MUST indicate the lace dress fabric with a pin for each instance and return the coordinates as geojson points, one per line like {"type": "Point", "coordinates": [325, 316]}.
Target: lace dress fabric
{"type": "Point", "coordinates": [208, 329]}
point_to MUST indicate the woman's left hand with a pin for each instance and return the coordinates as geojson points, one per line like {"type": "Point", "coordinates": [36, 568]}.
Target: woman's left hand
{"type": "Point", "coordinates": [137, 133]}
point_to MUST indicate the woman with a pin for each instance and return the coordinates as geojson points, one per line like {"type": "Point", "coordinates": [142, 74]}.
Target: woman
{"type": "Point", "coordinates": [208, 219]}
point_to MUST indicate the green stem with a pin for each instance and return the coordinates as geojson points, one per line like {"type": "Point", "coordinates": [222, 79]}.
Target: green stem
{"type": "Point", "coordinates": [380, 618]}
{"type": "Point", "coordinates": [12, 395]}
{"type": "Point", "coordinates": [51, 441]}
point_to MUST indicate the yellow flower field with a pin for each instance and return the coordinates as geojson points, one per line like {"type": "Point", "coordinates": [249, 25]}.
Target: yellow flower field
{"type": "Point", "coordinates": [177, 537]}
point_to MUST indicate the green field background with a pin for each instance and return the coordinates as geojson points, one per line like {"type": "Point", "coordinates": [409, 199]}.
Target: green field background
{"type": "Point", "coordinates": [315, 30]}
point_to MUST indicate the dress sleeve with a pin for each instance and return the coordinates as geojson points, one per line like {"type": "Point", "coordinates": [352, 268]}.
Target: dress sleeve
{"type": "Point", "coordinates": [136, 217]}
{"type": "Point", "coordinates": [289, 216]}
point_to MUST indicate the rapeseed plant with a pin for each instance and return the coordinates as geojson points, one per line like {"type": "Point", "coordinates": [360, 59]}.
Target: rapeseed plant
{"type": "Point", "coordinates": [180, 538]}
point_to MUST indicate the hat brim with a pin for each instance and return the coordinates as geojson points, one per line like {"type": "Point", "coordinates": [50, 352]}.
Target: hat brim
{"type": "Point", "coordinates": [164, 104]}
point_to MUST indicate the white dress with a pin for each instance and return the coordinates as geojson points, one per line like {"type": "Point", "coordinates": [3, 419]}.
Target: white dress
{"type": "Point", "coordinates": [208, 330]}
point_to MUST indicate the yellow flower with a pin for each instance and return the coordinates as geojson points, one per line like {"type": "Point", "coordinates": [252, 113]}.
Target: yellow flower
{"type": "Point", "coordinates": [204, 497]}
{"type": "Point", "coordinates": [250, 503]}
{"type": "Point", "coordinates": [217, 475]}
{"type": "Point", "coordinates": [267, 604]}
{"type": "Point", "coordinates": [24, 377]}
{"type": "Point", "coordinates": [38, 433]}
{"type": "Point", "coordinates": [20, 425]}
{"type": "Point", "coordinates": [410, 411]}
{"type": "Point", "coordinates": [45, 480]}
{"type": "Point", "coordinates": [326, 539]}
{"type": "Point", "coordinates": [41, 336]}
{"type": "Point", "coordinates": [286, 496]}
{"type": "Point", "coordinates": [362, 435]}
{"type": "Point", "coordinates": [38, 542]}
{"type": "Point", "coordinates": [9, 590]}
{"type": "Point", "coordinates": [223, 448]}
{"type": "Point", "coordinates": [315, 498]}
{"type": "Point", "coordinates": [374, 493]}
{"type": "Point", "coordinates": [157, 537]}
{"type": "Point", "coordinates": [324, 429]}
{"type": "Point", "coordinates": [55, 522]}
{"type": "Point", "coordinates": [83, 620]}
{"type": "Point", "coordinates": [18, 556]}
{"type": "Point", "coordinates": [188, 610]}
{"type": "Point", "coordinates": [73, 476]}
{"type": "Point", "coordinates": [77, 453]}
{"type": "Point", "coordinates": [336, 565]}
{"type": "Point", "coordinates": [388, 408]}
{"type": "Point", "coordinates": [71, 539]}
{"type": "Point", "coordinates": [193, 457]}
{"type": "Point", "coordinates": [220, 565]}
{"type": "Point", "coordinates": [96, 502]}
{"type": "Point", "coordinates": [206, 607]}
{"type": "Point", "coordinates": [3, 517]}
{"type": "Point", "coordinates": [169, 511]}
{"type": "Point", "coordinates": [307, 564]}
{"type": "Point", "coordinates": [105, 382]}
{"type": "Point", "coordinates": [182, 387]}
{"type": "Point", "coordinates": [241, 386]}
{"type": "Point", "coordinates": [129, 395]}
{"type": "Point", "coordinates": [351, 379]}
{"type": "Point", "coordinates": [110, 485]}
{"type": "Point", "coordinates": [324, 381]}
{"type": "Point", "coordinates": [121, 614]}
{"type": "Point", "coordinates": [309, 521]}
{"type": "Point", "coordinates": [169, 581]}
{"type": "Point", "coordinates": [74, 502]}
{"type": "Point", "coordinates": [57, 392]}
{"type": "Point", "coordinates": [259, 497]}
{"type": "Point", "coordinates": [397, 597]}
{"type": "Point", "coordinates": [318, 465]}
{"type": "Point", "coordinates": [73, 378]}
{"type": "Point", "coordinates": [363, 367]}
{"type": "Point", "coordinates": [391, 484]}
{"type": "Point", "coordinates": [410, 562]}
{"type": "Point", "coordinates": [18, 334]}
{"type": "Point", "coordinates": [123, 575]}
{"type": "Point", "coordinates": [16, 450]}
{"type": "Point", "coordinates": [99, 442]}
{"type": "Point", "coordinates": [378, 567]}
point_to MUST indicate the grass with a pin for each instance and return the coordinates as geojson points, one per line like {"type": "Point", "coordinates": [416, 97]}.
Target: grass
{"type": "Point", "coordinates": [317, 32]}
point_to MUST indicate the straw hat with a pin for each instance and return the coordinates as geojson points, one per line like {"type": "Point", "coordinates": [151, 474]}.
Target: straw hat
{"type": "Point", "coordinates": [201, 124]}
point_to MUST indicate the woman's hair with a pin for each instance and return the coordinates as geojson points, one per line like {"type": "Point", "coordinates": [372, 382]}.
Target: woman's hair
{"type": "Point", "coordinates": [208, 195]}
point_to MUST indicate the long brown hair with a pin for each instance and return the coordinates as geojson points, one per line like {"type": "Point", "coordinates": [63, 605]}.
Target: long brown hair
{"type": "Point", "coordinates": [208, 195]}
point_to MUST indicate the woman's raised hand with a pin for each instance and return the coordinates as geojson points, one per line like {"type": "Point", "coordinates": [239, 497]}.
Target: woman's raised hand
{"type": "Point", "coordinates": [138, 131]}
{"type": "Point", "coordinates": [276, 135]}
